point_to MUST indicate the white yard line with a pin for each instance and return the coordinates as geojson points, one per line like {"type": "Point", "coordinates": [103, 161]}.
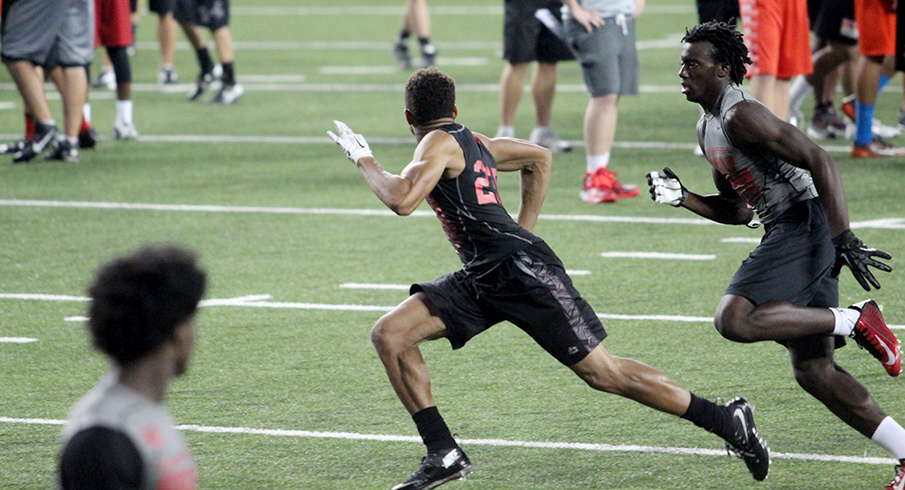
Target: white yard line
{"type": "Point", "coordinates": [657, 255]}
{"type": "Point", "coordinates": [355, 436]}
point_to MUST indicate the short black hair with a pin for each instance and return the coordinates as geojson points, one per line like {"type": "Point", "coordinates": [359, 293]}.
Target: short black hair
{"type": "Point", "coordinates": [728, 46]}
{"type": "Point", "coordinates": [430, 94]}
{"type": "Point", "coordinates": [138, 300]}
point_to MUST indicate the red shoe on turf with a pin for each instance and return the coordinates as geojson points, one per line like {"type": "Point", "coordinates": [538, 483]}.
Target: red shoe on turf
{"type": "Point", "coordinates": [898, 483]}
{"type": "Point", "coordinates": [872, 334]}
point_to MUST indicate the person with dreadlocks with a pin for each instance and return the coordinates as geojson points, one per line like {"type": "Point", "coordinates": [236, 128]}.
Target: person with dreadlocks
{"type": "Point", "coordinates": [787, 290]}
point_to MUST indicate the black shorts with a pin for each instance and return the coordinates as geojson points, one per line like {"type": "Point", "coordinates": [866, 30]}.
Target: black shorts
{"type": "Point", "coordinates": [161, 7]}
{"type": "Point", "coordinates": [530, 289]}
{"type": "Point", "coordinates": [793, 262]}
{"type": "Point", "coordinates": [834, 20]}
{"type": "Point", "coordinates": [527, 39]}
{"type": "Point", "coordinates": [212, 14]}
{"type": "Point", "coordinates": [719, 10]}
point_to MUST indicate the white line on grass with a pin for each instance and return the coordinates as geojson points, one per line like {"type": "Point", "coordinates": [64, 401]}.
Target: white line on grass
{"type": "Point", "coordinates": [396, 11]}
{"type": "Point", "coordinates": [361, 285]}
{"type": "Point", "coordinates": [16, 340]}
{"type": "Point", "coordinates": [657, 255]}
{"type": "Point", "coordinates": [740, 239]}
{"type": "Point", "coordinates": [354, 436]}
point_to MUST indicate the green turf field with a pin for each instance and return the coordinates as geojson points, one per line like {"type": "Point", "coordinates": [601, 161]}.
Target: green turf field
{"type": "Point", "coordinates": [285, 390]}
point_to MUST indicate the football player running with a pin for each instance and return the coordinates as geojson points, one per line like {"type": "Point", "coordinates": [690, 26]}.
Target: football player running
{"type": "Point", "coordinates": [788, 289]}
{"type": "Point", "coordinates": [508, 274]}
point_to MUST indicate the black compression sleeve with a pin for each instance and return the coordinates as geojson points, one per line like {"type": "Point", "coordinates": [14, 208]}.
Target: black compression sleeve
{"type": "Point", "coordinates": [100, 458]}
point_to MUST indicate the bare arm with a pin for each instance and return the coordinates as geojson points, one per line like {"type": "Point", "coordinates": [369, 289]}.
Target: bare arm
{"type": "Point", "coordinates": [403, 193]}
{"type": "Point", "coordinates": [726, 206]}
{"type": "Point", "coordinates": [752, 125]}
{"type": "Point", "coordinates": [534, 164]}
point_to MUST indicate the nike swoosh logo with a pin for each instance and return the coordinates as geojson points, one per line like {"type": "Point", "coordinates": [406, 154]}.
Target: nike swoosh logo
{"type": "Point", "coordinates": [740, 414]}
{"type": "Point", "coordinates": [889, 353]}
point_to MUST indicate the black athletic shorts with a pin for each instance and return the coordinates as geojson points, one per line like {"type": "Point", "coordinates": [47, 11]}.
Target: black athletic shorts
{"type": "Point", "coordinates": [834, 20]}
{"type": "Point", "coordinates": [719, 10]}
{"type": "Point", "coordinates": [161, 7]}
{"type": "Point", "coordinates": [793, 262]}
{"type": "Point", "coordinates": [530, 289]}
{"type": "Point", "coordinates": [212, 14]}
{"type": "Point", "coordinates": [527, 39]}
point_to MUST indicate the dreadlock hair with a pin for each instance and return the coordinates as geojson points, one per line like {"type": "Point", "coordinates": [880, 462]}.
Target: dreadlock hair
{"type": "Point", "coordinates": [430, 94]}
{"type": "Point", "coordinates": [728, 46]}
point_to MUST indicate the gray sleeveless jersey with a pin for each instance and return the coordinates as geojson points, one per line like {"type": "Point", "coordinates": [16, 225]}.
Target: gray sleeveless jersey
{"type": "Point", "coordinates": [166, 460]}
{"type": "Point", "coordinates": [769, 185]}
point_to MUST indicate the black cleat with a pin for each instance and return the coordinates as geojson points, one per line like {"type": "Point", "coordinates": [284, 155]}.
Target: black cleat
{"type": "Point", "coordinates": [437, 469]}
{"type": "Point", "coordinates": [204, 80]}
{"type": "Point", "coordinates": [746, 443]}
{"type": "Point", "coordinates": [88, 139]}
{"type": "Point", "coordinates": [44, 134]}
{"type": "Point", "coordinates": [64, 151]}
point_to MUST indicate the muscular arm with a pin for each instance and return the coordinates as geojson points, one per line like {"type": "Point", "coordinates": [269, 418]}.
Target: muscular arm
{"type": "Point", "coordinates": [534, 163]}
{"type": "Point", "coordinates": [752, 125]}
{"type": "Point", "coordinates": [436, 156]}
{"type": "Point", "coordinates": [726, 206]}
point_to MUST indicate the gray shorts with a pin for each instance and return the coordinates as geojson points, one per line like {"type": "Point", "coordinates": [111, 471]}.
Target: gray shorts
{"type": "Point", "coordinates": [49, 33]}
{"type": "Point", "coordinates": [793, 262]}
{"type": "Point", "coordinates": [608, 55]}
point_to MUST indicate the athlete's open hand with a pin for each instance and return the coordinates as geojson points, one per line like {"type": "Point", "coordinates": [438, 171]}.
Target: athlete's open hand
{"type": "Point", "coordinates": [852, 252]}
{"type": "Point", "coordinates": [354, 145]}
{"type": "Point", "coordinates": [666, 188]}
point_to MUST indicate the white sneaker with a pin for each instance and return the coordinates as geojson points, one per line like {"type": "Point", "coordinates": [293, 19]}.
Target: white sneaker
{"type": "Point", "coordinates": [124, 131]}
{"type": "Point", "coordinates": [167, 75]}
{"type": "Point", "coordinates": [228, 94]}
{"type": "Point", "coordinates": [105, 79]}
{"type": "Point", "coordinates": [505, 132]}
{"type": "Point", "coordinates": [546, 138]}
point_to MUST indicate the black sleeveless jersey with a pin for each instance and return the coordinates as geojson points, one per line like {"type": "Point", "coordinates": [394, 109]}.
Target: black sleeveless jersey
{"type": "Point", "coordinates": [470, 209]}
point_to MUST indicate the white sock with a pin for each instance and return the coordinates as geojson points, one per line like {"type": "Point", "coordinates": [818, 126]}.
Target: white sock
{"type": "Point", "coordinates": [124, 112]}
{"type": "Point", "coordinates": [845, 320]}
{"type": "Point", "coordinates": [505, 132]}
{"type": "Point", "coordinates": [799, 90]}
{"type": "Point", "coordinates": [596, 162]}
{"type": "Point", "coordinates": [86, 112]}
{"type": "Point", "coordinates": [891, 437]}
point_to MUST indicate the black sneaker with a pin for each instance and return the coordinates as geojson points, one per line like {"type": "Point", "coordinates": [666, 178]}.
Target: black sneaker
{"type": "Point", "coordinates": [437, 469]}
{"type": "Point", "coordinates": [44, 134]}
{"type": "Point", "coordinates": [428, 56]}
{"type": "Point", "coordinates": [64, 151]}
{"type": "Point", "coordinates": [14, 146]}
{"type": "Point", "coordinates": [204, 80]}
{"type": "Point", "coordinates": [401, 52]}
{"type": "Point", "coordinates": [88, 139]}
{"type": "Point", "coordinates": [745, 442]}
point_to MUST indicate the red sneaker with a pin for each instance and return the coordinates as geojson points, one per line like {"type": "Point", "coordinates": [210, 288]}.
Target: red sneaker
{"type": "Point", "coordinates": [871, 333]}
{"type": "Point", "coordinates": [876, 148]}
{"type": "Point", "coordinates": [602, 186]}
{"type": "Point", "coordinates": [848, 107]}
{"type": "Point", "coordinates": [898, 483]}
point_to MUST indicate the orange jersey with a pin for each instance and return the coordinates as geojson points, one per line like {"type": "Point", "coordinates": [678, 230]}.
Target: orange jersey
{"type": "Point", "coordinates": [776, 34]}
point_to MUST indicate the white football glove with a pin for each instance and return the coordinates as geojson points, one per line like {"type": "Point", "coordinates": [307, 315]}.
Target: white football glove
{"type": "Point", "coordinates": [665, 188]}
{"type": "Point", "coordinates": [354, 145]}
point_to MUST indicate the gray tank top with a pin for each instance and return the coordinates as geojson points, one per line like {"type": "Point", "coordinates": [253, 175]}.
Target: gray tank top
{"type": "Point", "coordinates": [769, 185]}
{"type": "Point", "coordinates": [166, 460]}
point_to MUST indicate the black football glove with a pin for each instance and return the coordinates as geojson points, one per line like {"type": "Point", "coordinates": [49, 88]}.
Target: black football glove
{"type": "Point", "coordinates": [851, 251]}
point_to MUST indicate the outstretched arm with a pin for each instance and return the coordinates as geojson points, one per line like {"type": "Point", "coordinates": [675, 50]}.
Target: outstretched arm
{"type": "Point", "coordinates": [534, 163]}
{"type": "Point", "coordinates": [725, 207]}
{"type": "Point", "coordinates": [404, 192]}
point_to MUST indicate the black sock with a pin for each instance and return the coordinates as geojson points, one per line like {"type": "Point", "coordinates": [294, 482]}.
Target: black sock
{"type": "Point", "coordinates": [404, 35]}
{"type": "Point", "coordinates": [433, 430]}
{"type": "Point", "coordinates": [424, 41]}
{"type": "Point", "coordinates": [708, 416]}
{"type": "Point", "coordinates": [229, 76]}
{"type": "Point", "coordinates": [204, 60]}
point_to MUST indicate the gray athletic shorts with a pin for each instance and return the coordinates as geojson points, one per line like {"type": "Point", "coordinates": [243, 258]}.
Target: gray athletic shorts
{"type": "Point", "coordinates": [530, 289]}
{"type": "Point", "coordinates": [793, 262]}
{"type": "Point", "coordinates": [49, 33]}
{"type": "Point", "coordinates": [608, 56]}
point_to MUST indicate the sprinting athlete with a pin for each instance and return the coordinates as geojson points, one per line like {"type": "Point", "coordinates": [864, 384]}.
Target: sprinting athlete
{"type": "Point", "coordinates": [508, 274]}
{"type": "Point", "coordinates": [787, 290]}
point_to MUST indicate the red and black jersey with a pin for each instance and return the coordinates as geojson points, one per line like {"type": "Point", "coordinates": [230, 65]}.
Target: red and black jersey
{"type": "Point", "coordinates": [470, 209]}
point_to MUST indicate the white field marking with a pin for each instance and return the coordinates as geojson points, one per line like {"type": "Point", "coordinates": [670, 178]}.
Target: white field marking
{"type": "Point", "coordinates": [76, 319]}
{"type": "Point", "coordinates": [5, 106]}
{"type": "Point", "coordinates": [43, 297]}
{"type": "Point", "coordinates": [740, 239]}
{"type": "Point", "coordinates": [394, 11]}
{"type": "Point", "coordinates": [17, 340]}
{"type": "Point", "coordinates": [360, 285]}
{"type": "Point", "coordinates": [886, 223]}
{"type": "Point", "coordinates": [664, 318]}
{"type": "Point", "coordinates": [657, 255]}
{"type": "Point", "coordinates": [354, 436]}
{"type": "Point", "coordinates": [578, 272]}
